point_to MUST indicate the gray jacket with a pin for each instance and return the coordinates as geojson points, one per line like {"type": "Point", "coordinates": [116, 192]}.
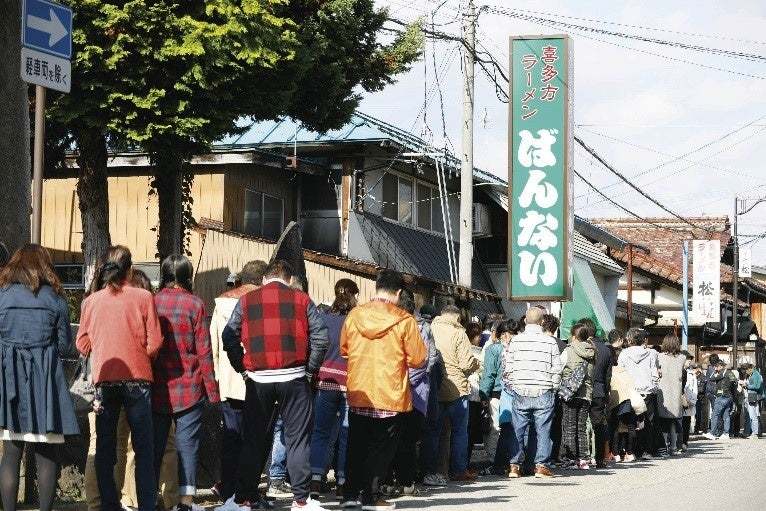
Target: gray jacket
{"type": "Point", "coordinates": [643, 366]}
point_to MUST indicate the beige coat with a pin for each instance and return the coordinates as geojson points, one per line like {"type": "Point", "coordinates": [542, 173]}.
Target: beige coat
{"type": "Point", "coordinates": [459, 362]}
{"type": "Point", "coordinates": [231, 385]}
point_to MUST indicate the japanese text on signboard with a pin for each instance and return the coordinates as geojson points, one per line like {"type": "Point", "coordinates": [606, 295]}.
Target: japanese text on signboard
{"type": "Point", "coordinates": [706, 269]}
{"type": "Point", "coordinates": [539, 131]}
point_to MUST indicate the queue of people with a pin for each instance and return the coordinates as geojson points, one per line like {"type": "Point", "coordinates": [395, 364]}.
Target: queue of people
{"type": "Point", "coordinates": [389, 396]}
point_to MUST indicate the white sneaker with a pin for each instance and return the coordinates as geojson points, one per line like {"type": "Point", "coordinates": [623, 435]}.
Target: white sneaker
{"type": "Point", "coordinates": [434, 480]}
{"type": "Point", "coordinates": [725, 436]}
{"type": "Point", "coordinates": [350, 504]}
{"type": "Point", "coordinates": [710, 436]}
{"type": "Point", "coordinates": [310, 505]}
{"type": "Point", "coordinates": [230, 505]}
{"type": "Point", "coordinates": [753, 437]}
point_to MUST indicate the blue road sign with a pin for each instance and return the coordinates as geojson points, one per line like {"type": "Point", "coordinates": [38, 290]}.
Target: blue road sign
{"type": "Point", "coordinates": [47, 27]}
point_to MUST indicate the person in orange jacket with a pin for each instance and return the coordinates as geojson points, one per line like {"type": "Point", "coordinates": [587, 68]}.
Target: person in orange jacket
{"type": "Point", "coordinates": [381, 342]}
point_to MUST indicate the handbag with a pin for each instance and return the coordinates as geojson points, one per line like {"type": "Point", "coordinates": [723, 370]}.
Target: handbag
{"type": "Point", "coordinates": [638, 403]}
{"type": "Point", "coordinates": [572, 383]}
{"type": "Point", "coordinates": [82, 390]}
{"type": "Point", "coordinates": [752, 397]}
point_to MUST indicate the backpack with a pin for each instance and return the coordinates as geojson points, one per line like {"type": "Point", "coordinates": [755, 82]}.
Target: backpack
{"type": "Point", "coordinates": [572, 383]}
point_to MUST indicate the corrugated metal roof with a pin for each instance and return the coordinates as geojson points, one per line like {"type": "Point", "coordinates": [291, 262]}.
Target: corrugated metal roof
{"type": "Point", "coordinates": [587, 250]}
{"type": "Point", "coordinates": [412, 251]}
{"type": "Point", "coordinates": [361, 128]}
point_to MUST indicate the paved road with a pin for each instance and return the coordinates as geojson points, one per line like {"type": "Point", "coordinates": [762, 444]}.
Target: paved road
{"type": "Point", "coordinates": [713, 476]}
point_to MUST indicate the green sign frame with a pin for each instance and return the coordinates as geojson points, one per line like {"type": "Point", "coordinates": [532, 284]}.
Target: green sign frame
{"type": "Point", "coordinates": [540, 219]}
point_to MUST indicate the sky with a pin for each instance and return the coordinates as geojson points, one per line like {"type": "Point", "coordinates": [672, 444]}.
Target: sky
{"type": "Point", "coordinates": [692, 137]}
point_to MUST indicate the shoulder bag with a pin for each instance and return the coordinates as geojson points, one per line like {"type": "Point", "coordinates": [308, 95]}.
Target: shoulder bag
{"type": "Point", "coordinates": [572, 383]}
{"type": "Point", "coordinates": [82, 389]}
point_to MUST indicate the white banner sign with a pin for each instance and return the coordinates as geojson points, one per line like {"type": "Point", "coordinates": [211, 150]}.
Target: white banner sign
{"type": "Point", "coordinates": [745, 262]}
{"type": "Point", "coordinates": [706, 297]}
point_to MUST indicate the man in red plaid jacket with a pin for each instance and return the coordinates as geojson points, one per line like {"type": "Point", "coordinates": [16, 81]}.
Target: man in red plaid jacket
{"type": "Point", "coordinates": [276, 338]}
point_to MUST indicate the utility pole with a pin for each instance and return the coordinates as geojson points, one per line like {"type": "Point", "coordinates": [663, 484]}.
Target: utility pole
{"type": "Point", "coordinates": [685, 303]}
{"type": "Point", "coordinates": [735, 280]}
{"type": "Point", "coordinates": [37, 173]}
{"type": "Point", "coordinates": [466, 169]}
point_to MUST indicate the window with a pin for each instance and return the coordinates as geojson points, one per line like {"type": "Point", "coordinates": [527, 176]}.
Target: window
{"type": "Point", "coordinates": [410, 201]}
{"type": "Point", "coordinates": [436, 211]}
{"type": "Point", "coordinates": [390, 196]}
{"type": "Point", "coordinates": [405, 200]}
{"type": "Point", "coordinates": [264, 215]}
{"type": "Point", "coordinates": [424, 206]}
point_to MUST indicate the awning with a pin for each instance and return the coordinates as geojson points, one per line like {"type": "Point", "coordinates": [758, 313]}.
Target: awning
{"type": "Point", "coordinates": [587, 302]}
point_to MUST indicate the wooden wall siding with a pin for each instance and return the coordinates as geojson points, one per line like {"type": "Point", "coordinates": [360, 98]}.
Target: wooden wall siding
{"type": "Point", "coordinates": [271, 181]}
{"type": "Point", "coordinates": [225, 253]}
{"type": "Point", "coordinates": [133, 213]}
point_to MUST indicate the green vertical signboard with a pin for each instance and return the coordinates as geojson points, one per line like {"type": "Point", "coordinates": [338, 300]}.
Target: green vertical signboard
{"type": "Point", "coordinates": [540, 221]}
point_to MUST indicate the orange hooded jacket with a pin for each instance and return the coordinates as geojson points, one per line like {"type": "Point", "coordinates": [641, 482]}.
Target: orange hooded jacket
{"type": "Point", "coordinates": [381, 342]}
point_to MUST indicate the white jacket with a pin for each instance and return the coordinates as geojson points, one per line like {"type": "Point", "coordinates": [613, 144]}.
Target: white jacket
{"type": "Point", "coordinates": [690, 391]}
{"type": "Point", "coordinates": [230, 383]}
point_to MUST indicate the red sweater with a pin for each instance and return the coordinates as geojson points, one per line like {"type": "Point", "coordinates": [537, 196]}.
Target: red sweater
{"type": "Point", "coordinates": [121, 332]}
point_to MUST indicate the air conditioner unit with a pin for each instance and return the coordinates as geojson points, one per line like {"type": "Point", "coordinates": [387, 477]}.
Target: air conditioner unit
{"type": "Point", "coordinates": [481, 224]}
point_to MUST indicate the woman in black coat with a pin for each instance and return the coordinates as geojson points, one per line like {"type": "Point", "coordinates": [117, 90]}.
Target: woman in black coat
{"type": "Point", "coordinates": [35, 405]}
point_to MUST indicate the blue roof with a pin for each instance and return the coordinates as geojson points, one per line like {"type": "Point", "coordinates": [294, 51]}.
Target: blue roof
{"type": "Point", "coordinates": [361, 128]}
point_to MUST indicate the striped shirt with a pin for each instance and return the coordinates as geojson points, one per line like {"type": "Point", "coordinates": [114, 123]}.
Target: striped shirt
{"type": "Point", "coordinates": [532, 363]}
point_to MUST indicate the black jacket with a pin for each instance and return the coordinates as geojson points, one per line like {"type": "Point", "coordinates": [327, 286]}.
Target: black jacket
{"type": "Point", "coordinates": [602, 375]}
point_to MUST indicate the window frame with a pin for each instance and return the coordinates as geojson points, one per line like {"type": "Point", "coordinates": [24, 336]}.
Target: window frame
{"type": "Point", "coordinates": [434, 191]}
{"type": "Point", "coordinates": [263, 212]}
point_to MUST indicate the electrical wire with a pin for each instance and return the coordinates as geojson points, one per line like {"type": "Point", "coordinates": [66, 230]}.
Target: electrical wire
{"type": "Point", "coordinates": [632, 185]}
{"type": "Point", "coordinates": [626, 210]}
{"type": "Point", "coordinates": [683, 169]}
{"type": "Point", "coordinates": [624, 35]}
{"type": "Point", "coordinates": [643, 27]}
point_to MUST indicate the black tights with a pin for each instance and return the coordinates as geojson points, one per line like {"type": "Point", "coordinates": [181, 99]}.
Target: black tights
{"type": "Point", "coordinates": [47, 473]}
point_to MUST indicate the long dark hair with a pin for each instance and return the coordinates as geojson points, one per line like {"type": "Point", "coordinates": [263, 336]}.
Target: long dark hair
{"type": "Point", "coordinates": [176, 270]}
{"type": "Point", "coordinates": [31, 267]}
{"type": "Point", "coordinates": [114, 269]}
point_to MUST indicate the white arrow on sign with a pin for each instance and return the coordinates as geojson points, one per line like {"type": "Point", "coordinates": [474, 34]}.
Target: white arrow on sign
{"type": "Point", "coordinates": [53, 27]}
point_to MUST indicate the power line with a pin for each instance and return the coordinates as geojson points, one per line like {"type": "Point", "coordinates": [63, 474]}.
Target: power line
{"type": "Point", "coordinates": [642, 38]}
{"type": "Point", "coordinates": [752, 135]}
{"type": "Point", "coordinates": [683, 156]}
{"type": "Point", "coordinates": [643, 27]}
{"type": "Point", "coordinates": [636, 188]}
{"type": "Point", "coordinates": [623, 208]}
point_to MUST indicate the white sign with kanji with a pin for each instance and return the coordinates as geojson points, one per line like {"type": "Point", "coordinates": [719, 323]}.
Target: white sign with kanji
{"type": "Point", "coordinates": [745, 262]}
{"type": "Point", "coordinates": [706, 268]}
{"type": "Point", "coordinates": [47, 70]}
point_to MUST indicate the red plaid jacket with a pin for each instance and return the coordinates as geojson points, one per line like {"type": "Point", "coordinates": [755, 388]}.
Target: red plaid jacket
{"type": "Point", "coordinates": [183, 370]}
{"type": "Point", "coordinates": [275, 328]}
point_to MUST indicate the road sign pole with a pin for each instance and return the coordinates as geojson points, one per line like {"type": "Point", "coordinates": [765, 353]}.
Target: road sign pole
{"type": "Point", "coordinates": [39, 160]}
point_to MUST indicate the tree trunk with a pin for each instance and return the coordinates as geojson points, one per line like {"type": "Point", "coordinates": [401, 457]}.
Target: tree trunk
{"type": "Point", "coordinates": [15, 171]}
{"type": "Point", "coordinates": [168, 181]}
{"type": "Point", "coordinates": [93, 194]}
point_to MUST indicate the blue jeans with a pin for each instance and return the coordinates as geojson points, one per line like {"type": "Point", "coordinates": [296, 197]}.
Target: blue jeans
{"type": "Point", "coordinates": [188, 435]}
{"type": "Point", "coordinates": [754, 414]}
{"type": "Point", "coordinates": [278, 469]}
{"type": "Point", "coordinates": [457, 411]}
{"type": "Point", "coordinates": [429, 446]}
{"type": "Point", "coordinates": [721, 415]}
{"type": "Point", "coordinates": [136, 398]}
{"type": "Point", "coordinates": [330, 426]}
{"type": "Point", "coordinates": [231, 445]}
{"type": "Point", "coordinates": [539, 412]}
